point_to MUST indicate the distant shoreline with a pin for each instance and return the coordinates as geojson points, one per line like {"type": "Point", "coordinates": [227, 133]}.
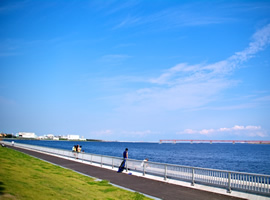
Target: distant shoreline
{"type": "Point", "coordinates": [96, 140]}
{"type": "Point", "coordinates": [87, 140]}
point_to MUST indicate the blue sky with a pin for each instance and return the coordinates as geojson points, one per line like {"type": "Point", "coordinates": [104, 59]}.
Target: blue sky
{"type": "Point", "coordinates": [136, 70]}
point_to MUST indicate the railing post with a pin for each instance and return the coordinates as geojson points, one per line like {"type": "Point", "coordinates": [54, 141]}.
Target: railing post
{"type": "Point", "coordinates": [91, 159]}
{"type": "Point", "coordinates": [165, 173]}
{"type": "Point", "coordinates": [229, 183]}
{"type": "Point", "coordinates": [112, 163]}
{"type": "Point", "coordinates": [193, 177]}
{"type": "Point", "coordinates": [101, 161]}
{"type": "Point", "coordinates": [143, 168]}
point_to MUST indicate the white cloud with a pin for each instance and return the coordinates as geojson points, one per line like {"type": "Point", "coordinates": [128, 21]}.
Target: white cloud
{"type": "Point", "coordinates": [202, 72]}
{"type": "Point", "coordinates": [236, 127]}
{"type": "Point", "coordinates": [201, 132]}
{"type": "Point", "coordinates": [253, 127]}
{"type": "Point", "coordinates": [224, 129]}
{"type": "Point", "coordinates": [260, 40]}
{"type": "Point", "coordinates": [189, 131]}
{"type": "Point", "coordinates": [250, 131]}
{"type": "Point", "coordinates": [187, 86]}
{"type": "Point", "coordinates": [206, 131]}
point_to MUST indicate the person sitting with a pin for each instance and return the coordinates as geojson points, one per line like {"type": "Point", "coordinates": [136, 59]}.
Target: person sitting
{"type": "Point", "coordinates": [79, 149]}
{"type": "Point", "coordinates": [73, 148]}
{"type": "Point", "coordinates": [145, 161]}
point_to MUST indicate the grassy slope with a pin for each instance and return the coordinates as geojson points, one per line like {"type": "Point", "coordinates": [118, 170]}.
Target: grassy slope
{"type": "Point", "coordinates": [25, 177]}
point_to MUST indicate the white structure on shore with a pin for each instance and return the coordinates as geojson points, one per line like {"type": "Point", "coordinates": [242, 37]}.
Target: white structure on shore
{"type": "Point", "coordinates": [73, 137]}
{"type": "Point", "coordinates": [27, 135]}
{"type": "Point", "coordinates": [49, 136]}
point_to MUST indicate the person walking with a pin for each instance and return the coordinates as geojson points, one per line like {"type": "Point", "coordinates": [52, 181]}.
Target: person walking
{"type": "Point", "coordinates": [122, 165]}
{"type": "Point", "coordinates": [125, 154]}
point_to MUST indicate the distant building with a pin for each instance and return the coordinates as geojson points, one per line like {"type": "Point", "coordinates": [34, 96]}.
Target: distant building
{"type": "Point", "coordinates": [27, 135]}
{"type": "Point", "coordinates": [73, 137]}
{"type": "Point", "coordinates": [41, 137]}
{"type": "Point", "coordinates": [50, 136]}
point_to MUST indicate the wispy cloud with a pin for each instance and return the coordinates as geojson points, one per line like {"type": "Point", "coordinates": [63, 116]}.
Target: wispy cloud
{"type": "Point", "coordinates": [261, 39]}
{"type": "Point", "coordinates": [187, 86]}
{"type": "Point", "coordinates": [192, 14]}
{"type": "Point", "coordinates": [250, 131]}
{"type": "Point", "coordinates": [186, 16]}
{"type": "Point", "coordinates": [128, 21]}
{"type": "Point", "coordinates": [186, 73]}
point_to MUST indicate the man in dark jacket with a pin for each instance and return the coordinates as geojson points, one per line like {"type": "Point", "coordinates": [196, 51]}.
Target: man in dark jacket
{"type": "Point", "coordinates": [122, 165]}
{"type": "Point", "coordinates": [125, 154]}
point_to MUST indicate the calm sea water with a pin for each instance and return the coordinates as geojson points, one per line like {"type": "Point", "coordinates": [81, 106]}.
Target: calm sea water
{"type": "Point", "coordinates": [253, 158]}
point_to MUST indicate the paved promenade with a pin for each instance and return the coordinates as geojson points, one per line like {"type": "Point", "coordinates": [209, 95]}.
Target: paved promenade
{"type": "Point", "coordinates": [150, 187]}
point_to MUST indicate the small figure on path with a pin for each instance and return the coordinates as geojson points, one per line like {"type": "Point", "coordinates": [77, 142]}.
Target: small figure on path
{"type": "Point", "coordinates": [145, 162]}
{"type": "Point", "coordinates": [74, 148]}
{"type": "Point", "coordinates": [79, 149]}
{"type": "Point", "coordinates": [125, 157]}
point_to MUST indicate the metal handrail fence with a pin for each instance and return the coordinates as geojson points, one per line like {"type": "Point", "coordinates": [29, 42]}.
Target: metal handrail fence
{"type": "Point", "coordinates": [229, 180]}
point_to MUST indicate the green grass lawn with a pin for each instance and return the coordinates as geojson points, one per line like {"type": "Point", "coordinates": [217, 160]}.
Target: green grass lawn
{"type": "Point", "coordinates": [25, 177]}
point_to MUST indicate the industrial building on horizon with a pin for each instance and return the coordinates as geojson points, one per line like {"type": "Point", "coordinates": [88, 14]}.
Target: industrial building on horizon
{"type": "Point", "coordinates": [29, 135]}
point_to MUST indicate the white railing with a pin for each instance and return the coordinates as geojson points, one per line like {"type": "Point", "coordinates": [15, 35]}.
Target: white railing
{"type": "Point", "coordinates": [230, 180]}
